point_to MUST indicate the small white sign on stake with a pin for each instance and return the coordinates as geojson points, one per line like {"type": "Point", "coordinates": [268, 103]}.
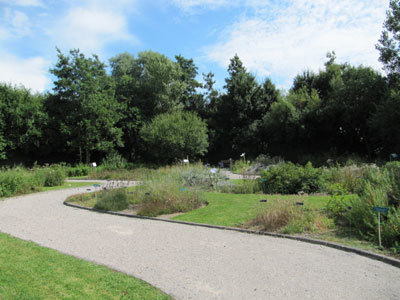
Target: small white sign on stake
{"type": "Point", "coordinates": [93, 164]}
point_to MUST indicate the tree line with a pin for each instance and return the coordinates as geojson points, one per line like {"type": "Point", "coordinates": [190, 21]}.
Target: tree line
{"type": "Point", "coordinates": [152, 108]}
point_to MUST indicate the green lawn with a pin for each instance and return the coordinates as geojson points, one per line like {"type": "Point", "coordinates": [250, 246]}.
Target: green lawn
{"type": "Point", "coordinates": [235, 209]}
{"type": "Point", "coordinates": [28, 271]}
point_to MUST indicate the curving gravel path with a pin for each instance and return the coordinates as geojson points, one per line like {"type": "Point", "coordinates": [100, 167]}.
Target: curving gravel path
{"type": "Point", "coordinates": [190, 262]}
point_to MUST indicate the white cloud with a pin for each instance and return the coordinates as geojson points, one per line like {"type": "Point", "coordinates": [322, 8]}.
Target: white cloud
{"type": "Point", "coordinates": [15, 24]}
{"type": "Point", "coordinates": [31, 73]}
{"type": "Point", "coordinates": [20, 23]}
{"type": "Point", "coordinates": [296, 35]}
{"type": "Point", "coordinates": [90, 28]}
{"type": "Point", "coordinates": [23, 2]}
{"type": "Point", "coordinates": [188, 5]}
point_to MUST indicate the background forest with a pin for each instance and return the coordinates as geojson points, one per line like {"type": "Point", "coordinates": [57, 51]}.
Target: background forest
{"type": "Point", "coordinates": [150, 108]}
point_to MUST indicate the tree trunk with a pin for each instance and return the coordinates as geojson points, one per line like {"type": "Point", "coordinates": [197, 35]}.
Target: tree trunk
{"type": "Point", "coordinates": [87, 156]}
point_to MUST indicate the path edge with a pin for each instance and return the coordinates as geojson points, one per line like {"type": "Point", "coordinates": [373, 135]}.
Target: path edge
{"type": "Point", "coordinates": [385, 259]}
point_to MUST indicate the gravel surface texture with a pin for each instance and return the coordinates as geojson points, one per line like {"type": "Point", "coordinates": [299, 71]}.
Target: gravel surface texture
{"type": "Point", "coordinates": [232, 175]}
{"type": "Point", "coordinates": [190, 262]}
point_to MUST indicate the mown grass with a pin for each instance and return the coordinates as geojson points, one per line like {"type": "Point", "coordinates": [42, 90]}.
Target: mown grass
{"type": "Point", "coordinates": [236, 209]}
{"type": "Point", "coordinates": [28, 271]}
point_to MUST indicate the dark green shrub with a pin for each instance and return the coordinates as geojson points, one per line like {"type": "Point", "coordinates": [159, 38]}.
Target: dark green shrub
{"type": "Point", "coordinates": [78, 170]}
{"type": "Point", "coordinates": [112, 200]}
{"type": "Point", "coordinates": [288, 178]}
{"type": "Point", "coordinates": [54, 176]}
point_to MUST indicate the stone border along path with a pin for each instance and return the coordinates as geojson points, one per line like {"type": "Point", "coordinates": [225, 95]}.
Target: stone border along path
{"type": "Point", "coordinates": [191, 262]}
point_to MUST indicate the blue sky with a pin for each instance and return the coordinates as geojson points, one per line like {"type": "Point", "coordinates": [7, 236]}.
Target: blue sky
{"type": "Point", "coordinates": [275, 39]}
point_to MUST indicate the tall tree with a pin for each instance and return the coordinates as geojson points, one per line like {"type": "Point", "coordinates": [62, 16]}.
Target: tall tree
{"type": "Point", "coordinates": [192, 100]}
{"type": "Point", "coordinates": [123, 66]}
{"type": "Point", "coordinates": [389, 43]}
{"type": "Point", "coordinates": [239, 112]}
{"type": "Point", "coordinates": [157, 84]}
{"type": "Point", "coordinates": [87, 93]}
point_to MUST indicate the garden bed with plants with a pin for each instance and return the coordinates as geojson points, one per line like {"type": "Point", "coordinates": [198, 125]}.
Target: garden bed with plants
{"type": "Point", "coordinates": [327, 203]}
{"type": "Point", "coordinates": [19, 180]}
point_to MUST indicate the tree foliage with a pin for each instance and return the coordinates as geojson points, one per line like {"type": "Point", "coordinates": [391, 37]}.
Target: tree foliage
{"type": "Point", "coordinates": [389, 43]}
{"type": "Point", "coordinates": [22, 120]}
{"type": "Point", "coordinates": [86, 93]}
{"type": "Point", "coordinates": [175, 135]}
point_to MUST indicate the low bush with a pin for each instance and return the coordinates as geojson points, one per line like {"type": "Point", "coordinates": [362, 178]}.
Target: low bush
{"type": "Point", "coordinates": [112, 200]}
{"type": "Point", "coordinates": [78, 170]}
{"type": "Point", "coordinates": [53, 175]}
{"type": "Point", "coordinates": [288, 178]}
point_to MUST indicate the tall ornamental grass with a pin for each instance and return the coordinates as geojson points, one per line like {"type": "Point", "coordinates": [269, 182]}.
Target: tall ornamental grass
{"type": "Point", "coordinates": [171, 189]}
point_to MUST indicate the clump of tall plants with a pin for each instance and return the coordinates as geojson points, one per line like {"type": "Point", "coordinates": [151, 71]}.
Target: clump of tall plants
{"type": "Point", "coordinates": [286, 216]}
{"type": "Point", "coordinates": [170, 190]}
{"type": "Point", "coordinates": [19, 180]}
{"type": "Point", "coordinates": [378, 187]}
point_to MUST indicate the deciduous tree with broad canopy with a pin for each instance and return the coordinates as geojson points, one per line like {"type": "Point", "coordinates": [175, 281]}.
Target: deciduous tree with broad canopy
{"type": "Point", "coordinates": [86, 93]}
{"type": "Point", "coordinates": [175, 135]}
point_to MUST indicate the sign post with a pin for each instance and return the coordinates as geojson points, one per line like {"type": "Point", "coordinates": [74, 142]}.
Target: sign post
{"type": "Point", "coordinates": [380, 210]}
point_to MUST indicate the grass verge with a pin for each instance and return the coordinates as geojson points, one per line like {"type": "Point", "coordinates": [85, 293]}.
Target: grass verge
{"type": "Point", "coordinates": [28, 271]}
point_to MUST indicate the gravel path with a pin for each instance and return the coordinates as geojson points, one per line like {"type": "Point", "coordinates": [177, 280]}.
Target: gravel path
{"type": "Point", "coordinates": [232, 175]}
{"type": "Point", "coordinates": [190, 262]}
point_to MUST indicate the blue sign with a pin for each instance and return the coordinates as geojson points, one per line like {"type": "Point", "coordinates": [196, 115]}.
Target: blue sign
{"type": "Point", "coordinates": [380, 209]}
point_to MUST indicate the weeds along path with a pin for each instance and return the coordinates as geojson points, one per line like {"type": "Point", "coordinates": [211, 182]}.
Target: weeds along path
{"type": "Point", "coordinates": [195, 262]}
